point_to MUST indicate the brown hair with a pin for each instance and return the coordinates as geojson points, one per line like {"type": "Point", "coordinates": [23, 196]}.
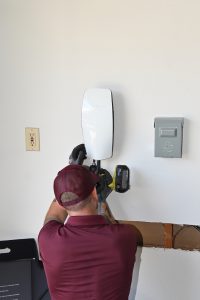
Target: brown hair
{"type": "Point", "coordinates": [69, 196]}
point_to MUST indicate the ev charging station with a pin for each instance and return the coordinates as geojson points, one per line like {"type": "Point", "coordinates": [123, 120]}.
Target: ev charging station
{"type": "Point", "coordinates": [98, 123]}
{"type": "Point", "coordinates": [98, 135]}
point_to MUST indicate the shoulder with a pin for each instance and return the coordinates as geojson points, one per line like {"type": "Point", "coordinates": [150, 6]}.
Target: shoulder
{"type": "Point", "coordinates": [128, 232]}
{"type": "Point", "coordinates": [50, 241]}
{"type": "Point", "coordinates": [48, 230]}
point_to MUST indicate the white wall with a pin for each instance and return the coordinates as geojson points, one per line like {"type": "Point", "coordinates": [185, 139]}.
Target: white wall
{"type": "Point", "coordinates": [166, 274]}
{"type": "Point", "coordinates": [147, 53]}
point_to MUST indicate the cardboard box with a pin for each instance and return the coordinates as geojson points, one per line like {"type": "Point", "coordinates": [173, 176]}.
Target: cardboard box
{"type": "Point", "coordinates": [22, 275]}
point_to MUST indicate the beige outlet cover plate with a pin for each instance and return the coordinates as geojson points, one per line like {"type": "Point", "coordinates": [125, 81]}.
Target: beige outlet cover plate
{"type": "Point", "coordinates": [32, 138]}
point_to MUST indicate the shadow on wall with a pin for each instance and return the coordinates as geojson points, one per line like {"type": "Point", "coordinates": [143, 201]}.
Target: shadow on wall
{"type": "Point", "coordinates": [120, 122]}
{"type": "Point", "coordinates": [135, 276]}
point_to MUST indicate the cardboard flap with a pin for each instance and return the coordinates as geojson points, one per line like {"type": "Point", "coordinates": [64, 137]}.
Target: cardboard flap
{"type": "Point", "coordinates": [18, 249]}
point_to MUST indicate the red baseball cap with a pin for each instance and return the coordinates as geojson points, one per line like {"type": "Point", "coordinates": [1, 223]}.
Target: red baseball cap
{"type": "Point", "coordinates": [76, 179]}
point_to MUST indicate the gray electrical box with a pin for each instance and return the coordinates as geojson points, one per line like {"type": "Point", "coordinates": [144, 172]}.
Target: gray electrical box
{"type": "Point", "coordinates": [168, 137]}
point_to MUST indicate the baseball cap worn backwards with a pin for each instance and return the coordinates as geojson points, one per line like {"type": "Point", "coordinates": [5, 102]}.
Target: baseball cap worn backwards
{"type": "Point", "coordinates": [76, 180]}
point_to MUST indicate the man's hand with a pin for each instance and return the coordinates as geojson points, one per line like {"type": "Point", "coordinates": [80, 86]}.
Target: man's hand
{"type": "Point", "coordinates": [103, 186]}
{"type": "Point", "coordinates": [78, 155]}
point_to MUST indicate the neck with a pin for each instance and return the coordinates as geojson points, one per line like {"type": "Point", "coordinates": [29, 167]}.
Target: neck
{"type": "Point", "coordinates": [82, 212]}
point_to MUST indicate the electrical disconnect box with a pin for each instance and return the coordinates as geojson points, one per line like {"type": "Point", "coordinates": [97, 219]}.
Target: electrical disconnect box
{"type": "Point", "coordinates": [168, 137]}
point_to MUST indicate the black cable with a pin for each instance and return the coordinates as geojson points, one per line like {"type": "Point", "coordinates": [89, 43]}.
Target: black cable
{"type": "Point", "coordinates": [183, 228]}
{"type": "Point", "coordinates": [196, 227]}
{"type": "Point", "coordinates": [44, 294]}
{"type": "Point", "coordinates": [177, 233]}
{"type": "Point", "coordinates": [98, 166]}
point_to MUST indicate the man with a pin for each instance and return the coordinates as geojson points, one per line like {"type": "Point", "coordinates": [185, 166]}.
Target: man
{"type": "Point", "coordinates": [87, 257]}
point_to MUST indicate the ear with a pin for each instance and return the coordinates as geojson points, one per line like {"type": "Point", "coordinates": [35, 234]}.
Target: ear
{"type": "Point", "coordinates": [94, 193]}
{"type": "Point", "coordinates": [94, 196]}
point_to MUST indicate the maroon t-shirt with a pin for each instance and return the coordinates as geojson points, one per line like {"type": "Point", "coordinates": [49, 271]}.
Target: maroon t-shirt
{"type": "Point", "coordinates": [88, 259]}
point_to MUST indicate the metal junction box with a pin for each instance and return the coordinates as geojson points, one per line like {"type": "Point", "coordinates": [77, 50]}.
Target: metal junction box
{"type": "Point", "coordinates": [168, 137]}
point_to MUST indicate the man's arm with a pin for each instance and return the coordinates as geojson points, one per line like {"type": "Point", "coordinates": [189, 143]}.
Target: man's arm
{"type": "Point", "coordinates": [56, 212]}
{"type": "Point", "coordinates": [108, 214]}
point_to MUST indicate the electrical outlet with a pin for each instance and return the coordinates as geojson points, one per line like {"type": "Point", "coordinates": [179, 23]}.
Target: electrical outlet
{"type": "Point", "coordinates": [32, 137]}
